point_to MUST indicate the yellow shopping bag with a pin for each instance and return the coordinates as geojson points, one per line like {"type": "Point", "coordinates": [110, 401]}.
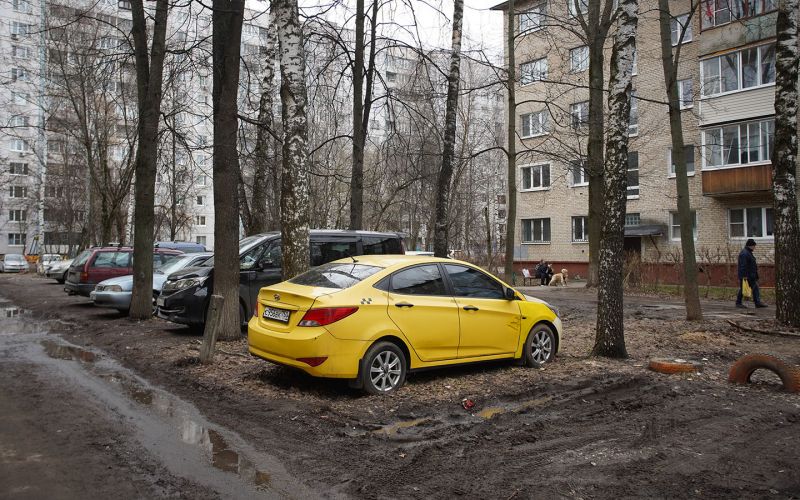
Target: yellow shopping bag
{"type": "Point", "coordinates": [747, 292]}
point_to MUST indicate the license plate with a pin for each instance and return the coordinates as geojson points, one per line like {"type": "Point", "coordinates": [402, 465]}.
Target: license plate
{"type": "Point", "coordinates": [160, 302]}
{"type": "Point", "coordinates": [281, 315]}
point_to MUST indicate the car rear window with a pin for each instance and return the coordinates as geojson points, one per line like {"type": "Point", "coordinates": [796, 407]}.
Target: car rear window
{"type": "Point", "coordinates": [381, 245]}
{"type": "Point", "coordinates": [82, 258]}
{"type": "Point", "coordinates": [335, 275]}
{"type": "Point", "coordinates": [112, 260]}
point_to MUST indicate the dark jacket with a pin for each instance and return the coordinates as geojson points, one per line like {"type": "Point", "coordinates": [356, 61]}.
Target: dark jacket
{"type": "Point", "coordinates": [747, 264]}
{"type": "Point", "coordinates": [541, 271]}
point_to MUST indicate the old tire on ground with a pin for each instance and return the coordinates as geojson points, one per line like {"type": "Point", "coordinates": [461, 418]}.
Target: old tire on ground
{"type": "Point", "coordinates": [743, 369]}
{"type": "Point", "coordinates": [540, 346]}
{"type": "Point", "coordinates": [672, 366]}
{"type": "Point", "coordinates": [383, 368]}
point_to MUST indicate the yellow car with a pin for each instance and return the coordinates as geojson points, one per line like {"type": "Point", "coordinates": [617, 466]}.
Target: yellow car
{"type": "Point", "coordinates": [372, 318]}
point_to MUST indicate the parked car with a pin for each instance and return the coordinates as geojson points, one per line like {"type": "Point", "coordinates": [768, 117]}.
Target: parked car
{"type": "Point", "coordinates": [46, 261]}
{"type": "Point", "coordinates": [185, 295]}
{"type": "Point", "coordinates": [374, 319]}
{"type": "Point", "coordinates": [101, 263]}
{"type": "Point", "coordinates": [183, 246]}
{"type": "Point", "coordinates": [13, 263]}
{"type": "Point", "coordinates": [58, 270]}
{"type": "Point", "coordinates": [116, 292]}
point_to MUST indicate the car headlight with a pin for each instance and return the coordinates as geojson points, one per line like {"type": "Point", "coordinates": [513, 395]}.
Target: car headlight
{"type": "Point", "coordinates": [174, 286]}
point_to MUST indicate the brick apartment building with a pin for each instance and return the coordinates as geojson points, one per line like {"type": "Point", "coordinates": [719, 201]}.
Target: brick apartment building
{"type": "Point", "coordinates": [727, 75]}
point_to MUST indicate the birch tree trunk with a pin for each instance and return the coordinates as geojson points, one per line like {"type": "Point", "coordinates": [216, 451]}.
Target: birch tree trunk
{"type": "Point", "coordinates": [441, 227]}
{"type": "Point", "coordinates": [149, 70]}
{"type": "Point", "coordinates": [227, 35]}
{"type": "Point", "coordinates": [511, 150]}
{"type": "Point", "coordinates": [294, 176]}
{"type": "Point", "coordinates": [669, 65]}
{"type": "Point", "coordinates": [784, 161]}
{"type": "Point", "coordinates": [610, 334]}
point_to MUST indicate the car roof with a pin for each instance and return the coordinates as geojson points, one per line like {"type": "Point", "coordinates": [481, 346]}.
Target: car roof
{"type": "Point", "coordinates": [390, 260]}
{"type": "Point", "coordinates": [339, 232]}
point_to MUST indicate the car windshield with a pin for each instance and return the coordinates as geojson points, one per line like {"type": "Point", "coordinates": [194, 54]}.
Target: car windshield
{"type": "Point", "coordinates": [163, 263]}
{"type": "Point", "coordinates": [244, 245]}
{"type": "Point", "coordinates": [14, 258]}
{"type": "Point", "coordinates": [175, 264]}
{"type": "Point", "coordinates": [335, 275]}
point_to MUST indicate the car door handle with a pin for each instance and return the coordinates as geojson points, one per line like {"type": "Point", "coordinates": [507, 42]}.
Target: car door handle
{"type": "Point", "coordinates": [403, 304]}
{"type": "Point", "coordinates": [471, 308]}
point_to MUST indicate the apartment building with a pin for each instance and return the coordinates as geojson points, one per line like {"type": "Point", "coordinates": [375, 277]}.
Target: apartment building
{"type": "Point", "coordinates": [727, 74]}
{"type": "Point", "coordinates": [54, 192]}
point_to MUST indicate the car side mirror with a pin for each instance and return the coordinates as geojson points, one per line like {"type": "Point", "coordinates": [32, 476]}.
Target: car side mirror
{"type": "Point", "coordinates": [510, 294]}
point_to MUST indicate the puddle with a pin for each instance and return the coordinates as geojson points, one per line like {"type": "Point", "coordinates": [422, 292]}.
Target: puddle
{"type": "Point", "coordinates": [392, 429]}
{"type": "Point", "coordinates": [62, 351]}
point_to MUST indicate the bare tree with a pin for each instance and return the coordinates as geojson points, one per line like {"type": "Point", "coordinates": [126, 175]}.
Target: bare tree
{"type": "Point", "coordinates": [511, 150]}
{"type": "Point", "coordinates": [610, 335]}
{"type": "Point", "coordinates": [294, 176]}
{"type": "Point", "coordinates": [669, 63]}
{"type": "Point", "coordinates": [228, 17]}
{"type": "Point", "coordinates": [443, 190]}
{"type": "Point", "coordinates": [784, 161]}
{"type": "Point", "coordinates": [149, 83]}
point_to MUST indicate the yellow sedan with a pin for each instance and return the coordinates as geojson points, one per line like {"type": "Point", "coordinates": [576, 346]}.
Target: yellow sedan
{"type": "Point", "coordinates": [372, 318]}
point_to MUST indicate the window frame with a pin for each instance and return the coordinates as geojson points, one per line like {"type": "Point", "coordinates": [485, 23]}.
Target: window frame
{"type": "Point", "coordinates": [542, 120]}
{"type": "Point", "coordinates": [448, 292]}
{"type": "Point", "coordinates": [584, 62]}
{"type": "Point", "coordinates": [532, 241]}
{"type": "Point", "coordinates": [539, 11]}
{"type": "Point", "coordinates": [704, 25]}
{"type": "Point", "coordinates": [578, 164]}
{"type": "Point", "coordinates": [673, 226]}
{"type": "Point", "coordinates": [681, 101]}
{"type": "Point", "coordinates": [671, 171]}
{"type": "Point", "coordinates": [705, 146]}
{"type": "Point", "coordinates": [764, 226]}
{"type": "Point", "coordinates": [584, 230]}
{"type": "Point", "coordinates": [685, 28]}
{"type": "Point", "coordinates": [739, 71]}
{"type": "Point", "coordinates": [575, 110]}
{"type": "Point", "coordinates": [537, 75]}
{"type": "Point", "coordinates": [638, 185]}
{"type": "Point", "coordinates": [532, 167]}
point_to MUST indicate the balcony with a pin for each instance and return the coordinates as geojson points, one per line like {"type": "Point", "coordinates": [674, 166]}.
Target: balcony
{"type": "Point", "coordinates": [739, 180]}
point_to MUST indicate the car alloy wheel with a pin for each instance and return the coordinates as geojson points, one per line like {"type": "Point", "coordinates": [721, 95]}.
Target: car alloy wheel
{"type": "Point", "coordinates": [539, 346]}
{"type": "Point", "coordinates": [383, 369]}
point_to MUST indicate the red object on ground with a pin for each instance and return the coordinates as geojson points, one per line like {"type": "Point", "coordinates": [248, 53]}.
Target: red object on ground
{"type": "Point", "coordinates": [467, 403]}
{"type": "Point", "coordinates": [743, 369]}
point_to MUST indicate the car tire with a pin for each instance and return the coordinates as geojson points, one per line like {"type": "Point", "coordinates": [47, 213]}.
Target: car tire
{"type": "Point", "coordinates": [383, 369]}
{"type": "Point", "coordinates": [540, 346]}
{"type": "Point", "coordinates": [242, 319]}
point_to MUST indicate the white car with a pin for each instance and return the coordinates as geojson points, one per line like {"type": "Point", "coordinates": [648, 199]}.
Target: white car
{"type": "Point", "coordinates": [58, 270]}
{"type": "Point", "coordinates": [13, 263]}
{"type": "Point", "coordinates": [46, 261]}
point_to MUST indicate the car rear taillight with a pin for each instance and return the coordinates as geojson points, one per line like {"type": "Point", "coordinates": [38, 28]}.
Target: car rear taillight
{"type": "Point", "coordinates": [84, 277]}
{"type": "Point", "coordinates": [313, 361]}
{"type": "Point", "coordinates": [325, 316]}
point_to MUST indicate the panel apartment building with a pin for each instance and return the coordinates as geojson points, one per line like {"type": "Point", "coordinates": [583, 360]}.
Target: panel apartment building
{"type": "Point", "coordinates": [727, 75]}
{"type": "Point", "coordinates": [51, 49]}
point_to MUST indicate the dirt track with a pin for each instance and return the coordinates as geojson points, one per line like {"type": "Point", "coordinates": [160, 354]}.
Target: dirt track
{"type": "Point", "coordinates": [581, 427]}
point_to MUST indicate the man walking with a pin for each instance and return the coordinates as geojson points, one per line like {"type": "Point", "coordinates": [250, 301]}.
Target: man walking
{"type": "Point", "coordinates": [748, 270]}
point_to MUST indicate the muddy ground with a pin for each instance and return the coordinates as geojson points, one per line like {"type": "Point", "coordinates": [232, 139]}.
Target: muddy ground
{"type": "Point", "coordinates": [581, 427]}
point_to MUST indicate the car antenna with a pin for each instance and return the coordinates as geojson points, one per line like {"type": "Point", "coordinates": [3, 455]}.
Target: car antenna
{"type": "Point", "coordinates": [351, 256]}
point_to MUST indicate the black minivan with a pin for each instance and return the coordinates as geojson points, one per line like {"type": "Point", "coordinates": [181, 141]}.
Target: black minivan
{"type": "Point", "coordinates": [185, 295]}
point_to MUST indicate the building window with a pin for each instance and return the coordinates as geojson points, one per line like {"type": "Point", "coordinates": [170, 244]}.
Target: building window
{"type": "Point", "coordinates": [633, 125]}
{"type": "Point", "coordinates": [533, 19]}
{"type": "Point", "coordinates": [16, 168]}
{"type": "Point", "coordinates": [20, 121]}
{"type": "Point", "coordinates": [17, 239]}
{"type": "Point", "coordinates": [200, 220]}
{"type": "Point", "coordinates": [754, 222]}
{"type": "Point", "coordinates": [688, 153]}
{"type": "Point", "coordinates": [536, 177]}
{"type": "Point", "coordinates": [577, 169]}
{"type": "Point", "coordinates": [202, 180]}
{"type": "Point", "coordinates": [680, 24]}
{"type": "Point", "coordinates": [23, 6]}
{"type": "Point", "coordinates": [738, 70]}
{"type": "Point", "coordinates": [53, 192]}
{"type": "Point", "coordinates": [19, 29]}
{"type": "Point", "coordinates": [579, 59]}
{"type": "Point", "coordinates": [686, 93]}
{"type": "Point", "coordinates": [534, 124]}
{"type": "Point", "coordinates": [633, 219]}
{"type": "Point", "coordinates": [201, 201]}
{"type": "Point", "coordinates": [633, 174]}
{"type": "Point", "coordinates": [20, 99]}
{"type": "Point", "coordinates": [21, 52]}
{"type": "Point", "coordinates": [580, 229]}
{"type": "Point", "coordinates": [719, 12]}
{"type": "Point", "coordinates": [675, 226]}
{"type": "Point", "coordinates": [579, 112]}
{"type": "Point", "coordinates": [18, 74]}
{"type": "Point", "coordinates": [738, 144]}
{"type": "Point", "coordinates": [17, 215]}
{"type": "Point", "coordinates": [533, 71]}
{"type": "Point", "coordinates": [536, 230]}
{"type": "Point", "coordinates": [124, 4]}
{"type": "Point", "coordinates": [200, 240]}
{"type": "Point", "coordinates": [576, 6]}
{"type": "Point", "coordinates": [17, 191]}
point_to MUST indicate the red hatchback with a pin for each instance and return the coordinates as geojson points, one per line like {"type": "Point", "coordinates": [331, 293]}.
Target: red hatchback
{"type": "Point", "coordinates": [101, 263]}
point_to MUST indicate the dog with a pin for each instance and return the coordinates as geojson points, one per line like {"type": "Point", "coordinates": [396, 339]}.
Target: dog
{"type": "Point", "coordinates": [559, 278]}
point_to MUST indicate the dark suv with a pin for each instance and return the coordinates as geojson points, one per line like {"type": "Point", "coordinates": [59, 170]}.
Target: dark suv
{"type": "Point", "coordinates": [184, 296]}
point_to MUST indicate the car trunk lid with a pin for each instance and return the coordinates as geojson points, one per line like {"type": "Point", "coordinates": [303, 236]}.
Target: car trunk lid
{"type": "Point", "coordinates": [287, 298]}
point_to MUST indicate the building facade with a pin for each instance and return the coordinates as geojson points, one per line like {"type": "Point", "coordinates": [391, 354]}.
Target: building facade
{"type": "Point", "coordinates": [726, 76]}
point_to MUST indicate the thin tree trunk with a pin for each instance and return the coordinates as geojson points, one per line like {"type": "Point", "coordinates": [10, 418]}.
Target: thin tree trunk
{"type": "Point", "coordinates": [511, 151]}
{"type": "Point", "coordinates": [610, 334]}
{"type": "Point", "coordinates": [294, 177]}
{"type": "Point", "coordinates": [227, 35]}
{"type": "Point", "coordinates": [357, 176]}
{"type": "Point", "coordinates": [149, 70]}
{"type": "Point", "coordinates": [443, 184]}
{"type": "Point", "coordinates": [670, 67]}
{"type": "Point", "coordinates": [784, 161]}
